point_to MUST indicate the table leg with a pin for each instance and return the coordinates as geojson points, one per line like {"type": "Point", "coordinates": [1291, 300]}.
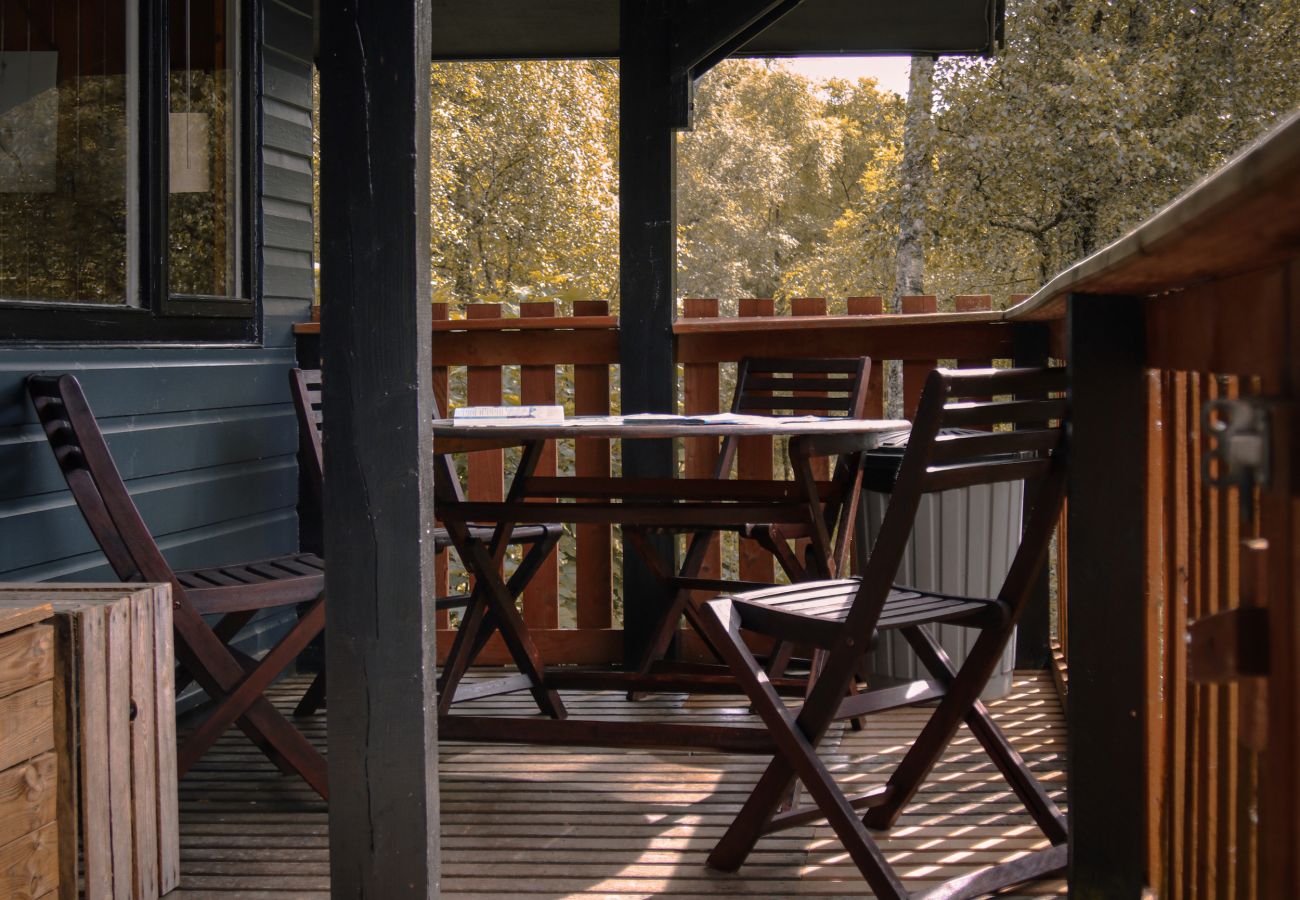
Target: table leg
{"type": "Point", "coordinates": [493, 606]}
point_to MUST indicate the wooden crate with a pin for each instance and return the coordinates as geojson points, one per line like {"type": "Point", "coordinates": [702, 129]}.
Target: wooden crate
{"type": "Point", "coordinates": [115, 705]}
{"type": "Point", "coordinates": [29, 836]}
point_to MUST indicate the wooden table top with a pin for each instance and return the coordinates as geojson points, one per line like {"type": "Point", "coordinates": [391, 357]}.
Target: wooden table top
{"type": "Point", "coordinates": [451, 436]}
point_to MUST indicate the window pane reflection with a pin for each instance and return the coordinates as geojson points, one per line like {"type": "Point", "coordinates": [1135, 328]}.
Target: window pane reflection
{"type": "Point", "coordinates": [64, 86]}
{"type": "Point", "coordinates": [204, 189]}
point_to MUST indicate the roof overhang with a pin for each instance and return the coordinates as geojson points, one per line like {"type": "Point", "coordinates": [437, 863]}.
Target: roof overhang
{"type": "Point", "coordinates": [560, 29]}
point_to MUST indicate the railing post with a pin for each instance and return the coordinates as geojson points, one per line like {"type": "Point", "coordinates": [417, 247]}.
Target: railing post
{"type": "Point", "coordinates": [383, 748]}
{"type": "Point", "coordinates": [647, 274]}
{"type": "Point", "coordinates": [1106, 713]}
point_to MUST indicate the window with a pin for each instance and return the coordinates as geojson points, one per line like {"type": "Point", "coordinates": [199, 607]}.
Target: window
{"type": "Point", "coordinates": [125, 170]}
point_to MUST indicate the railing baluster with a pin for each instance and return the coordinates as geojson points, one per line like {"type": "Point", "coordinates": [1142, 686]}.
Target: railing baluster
{"type": "Point", "coordinates": [872, 306]}
{"type": "Point", "coordinates": [915, 371]}
{"type": "Point", "coordinates": [754, 460]}
{"type": "Point", "coordinates": [594, 582]}
{"type": "Point", "coordinates": [700, 387]}
{"type": "Point", "coordinates": [973, 303]}
{"type": "Point", "coordinates": [537, 387]}
{"type": "Point", "coordinates": [484, 471]}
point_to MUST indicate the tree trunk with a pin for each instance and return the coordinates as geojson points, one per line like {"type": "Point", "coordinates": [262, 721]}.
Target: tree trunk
{"type": "Point", "coordinates": [909, 259]}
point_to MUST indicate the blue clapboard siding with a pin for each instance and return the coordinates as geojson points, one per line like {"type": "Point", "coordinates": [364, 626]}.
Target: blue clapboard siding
{"type": "Point", "coordinates": [205, 437]}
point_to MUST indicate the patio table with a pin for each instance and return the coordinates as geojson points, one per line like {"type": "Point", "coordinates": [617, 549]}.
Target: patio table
{"type": "Point", "coordinates": [703, 504]}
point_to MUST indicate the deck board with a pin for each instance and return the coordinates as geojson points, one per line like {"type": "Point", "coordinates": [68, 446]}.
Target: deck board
{"type": "Point", "coordinates": [536, 822]}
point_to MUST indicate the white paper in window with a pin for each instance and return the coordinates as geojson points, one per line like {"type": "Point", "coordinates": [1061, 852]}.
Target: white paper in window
{"type": "Point", "coordinates": [29, 120]}
{"type": "Point", "coordinates": [188, 172]}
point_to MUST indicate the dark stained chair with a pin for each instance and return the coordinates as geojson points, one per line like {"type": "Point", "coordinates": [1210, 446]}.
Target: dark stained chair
{"type": "Point", "coordinates": [781, 387]}
{"type": "Point", "coordinates": [539, 539]}
{"type": "Point", "coordinates": [235, 593]}
{"type": "Point", "coordinates": [841, 617]}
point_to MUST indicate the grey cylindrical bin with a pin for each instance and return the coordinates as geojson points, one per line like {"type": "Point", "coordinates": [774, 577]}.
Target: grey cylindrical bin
{"type": "Point", "coordinates": [962, 543]}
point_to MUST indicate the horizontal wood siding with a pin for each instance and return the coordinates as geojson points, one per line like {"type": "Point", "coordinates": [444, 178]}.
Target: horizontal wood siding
{"type": "Point", "coordinates": [205, 437]}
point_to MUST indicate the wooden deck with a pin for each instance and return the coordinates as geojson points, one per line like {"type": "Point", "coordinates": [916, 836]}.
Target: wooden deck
{"type": "Point", "coordinates": [557, 822]}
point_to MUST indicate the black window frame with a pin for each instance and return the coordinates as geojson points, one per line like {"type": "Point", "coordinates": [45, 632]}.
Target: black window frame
{"type": "Point", "coordinates": [162, 317]}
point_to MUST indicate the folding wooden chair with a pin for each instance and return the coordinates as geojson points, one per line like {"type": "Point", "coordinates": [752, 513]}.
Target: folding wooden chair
{"type": "Point", "coordinates": [476, 629]}
{"type": "Point", "coordinates": [234, 680]}
{"type": "Point", "coordinates": [781, 387]}
{"type": "Point", "coordinates": [841, 617]}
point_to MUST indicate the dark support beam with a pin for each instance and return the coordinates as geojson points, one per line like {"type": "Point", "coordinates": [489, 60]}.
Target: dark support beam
{"type": "Point", "coordinates": [1107, 585]}
{"type": "Point", "coordinates": [648, 272]}
{"type": "Point", "coordinates": [705, 32]}
{"type": "Point", "coordinates": [376, 331]}
{"type": "Point", "coordinates": [1030, 343]}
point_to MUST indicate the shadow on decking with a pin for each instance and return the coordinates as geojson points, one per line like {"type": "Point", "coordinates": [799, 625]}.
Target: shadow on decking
{"type": "Point", "coordinates": [555, 822]}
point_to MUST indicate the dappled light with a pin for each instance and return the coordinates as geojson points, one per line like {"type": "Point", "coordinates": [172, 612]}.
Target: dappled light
{"type": "Point", "coordinates": [583, 821]}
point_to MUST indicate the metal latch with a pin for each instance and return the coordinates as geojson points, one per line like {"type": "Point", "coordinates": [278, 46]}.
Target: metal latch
{"type": "Point", "coordinates": [1238, 433]}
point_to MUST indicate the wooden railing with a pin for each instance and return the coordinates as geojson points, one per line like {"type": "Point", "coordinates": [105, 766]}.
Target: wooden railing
{"type": "Point", "coordinates": [571, 605]}
{"type": "Point", "coordinates": [1183, 625]}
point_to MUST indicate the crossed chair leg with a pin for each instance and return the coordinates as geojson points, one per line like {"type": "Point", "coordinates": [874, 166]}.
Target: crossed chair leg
{"type": "Point", "coordinates": [237, 683]}
{"type": "Point", "coordinates": [797, 735]}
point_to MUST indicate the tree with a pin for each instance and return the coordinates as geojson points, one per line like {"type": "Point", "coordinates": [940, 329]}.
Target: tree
{"type": "Point", "coordinates": [772, 164]}
{"type": "Point", "coordinates": [1094, 115]}
{"type": "Point", "coordinates": [524, 195]}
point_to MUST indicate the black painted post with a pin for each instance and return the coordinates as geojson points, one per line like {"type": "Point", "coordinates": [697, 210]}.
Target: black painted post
{"type": "Point", "coordinates": [376, 335]}
{"type": "Point", "coordinates": [648, 273]}
{"type": "Point", "coordinates": [1034, 631]}
{"type": "Point", "coordinates": [1107, 583]}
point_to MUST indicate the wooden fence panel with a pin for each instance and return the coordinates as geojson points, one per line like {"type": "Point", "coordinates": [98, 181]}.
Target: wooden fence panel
{"type": "Point", "coordinates": [1203, 769]}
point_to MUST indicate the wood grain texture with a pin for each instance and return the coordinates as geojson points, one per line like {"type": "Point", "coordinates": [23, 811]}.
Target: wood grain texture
{"type": "Point", "coordinates": [28, 716]}
{"type": "Point", "coordinates": [29, 866]}
{"type": "Point", "coordinates": [28, 797]}
{"type": "Point", "coordinates": [26, 657]}
{"type": "Point", "coordinates": [13, 618]}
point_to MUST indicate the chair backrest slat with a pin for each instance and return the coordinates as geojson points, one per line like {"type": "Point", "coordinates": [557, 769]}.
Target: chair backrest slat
{"type": "Point", "coordinates": [306, 390]}
{"type": "Point", "coordinates": [1011, 412]}
{"type": "Point", "coordinates": [802, 386]}
{"type": "Point", "coordinates": [935, 461]}
{"type": "Point", "coordinates": [970, 474]}
{"type": "Point", "coordinates": [95, 482]}
{"type": "Point", "coordinates": [959, 447]}
{"type": "Point", "coordinates": [306, 386]}
{"type": "Point", "coordinates": [771, 404]}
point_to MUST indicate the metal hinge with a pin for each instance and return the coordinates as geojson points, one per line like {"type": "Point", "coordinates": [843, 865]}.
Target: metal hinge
{"type": "Point", "coordinates": [1239, 435]}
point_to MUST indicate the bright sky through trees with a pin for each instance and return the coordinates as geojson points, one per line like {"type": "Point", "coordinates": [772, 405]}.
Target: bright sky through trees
{"type": "Point", "coordinates": [890, 72]}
